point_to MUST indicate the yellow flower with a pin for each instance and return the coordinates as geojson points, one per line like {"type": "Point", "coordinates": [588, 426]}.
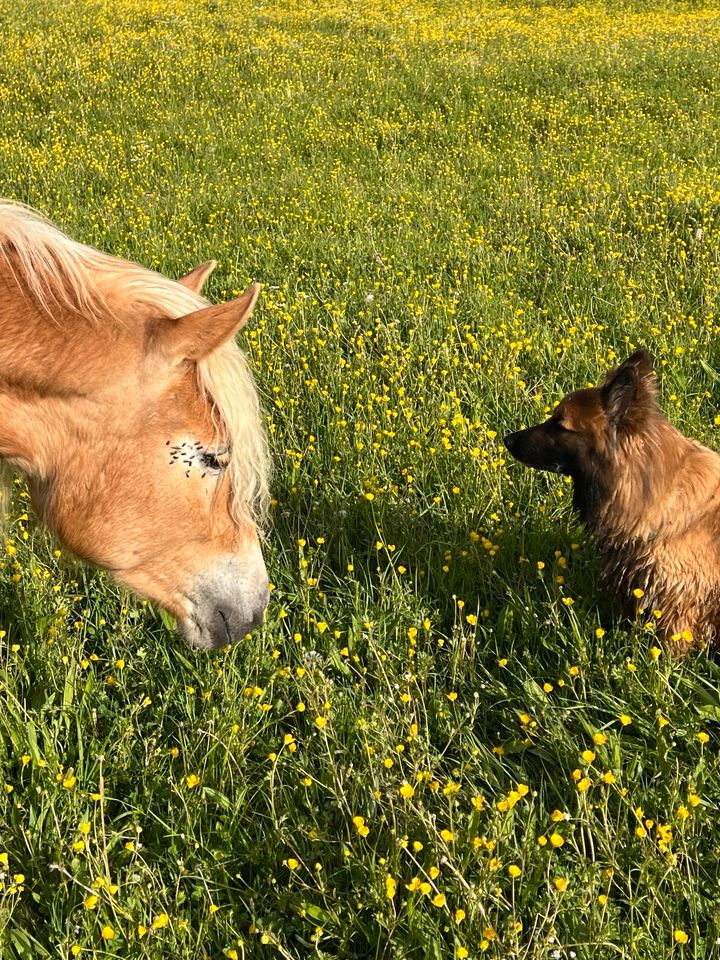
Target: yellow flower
{"type": "Point", "coordinates": [461, 953]}
{"type": "Point", "coordinates": [107, 933]}
{"type": "Point", "coordinates": [587, 756]}
{"type": "Point", "coordinates": [407, 791]}
{"type": "Point", "coordinates": [439, 900]}
{"type": "Point", "coordinates": [514, 870]}
{"type": "Point", "coordinates": [625, 719]}
{"type": "Point", "coordinates": [213, 908]}
{"type": "Point", "coordinates": [460, 915]}
{"type": "Point", "coordinates": [703, 737]}
{"type": "Point", "coordinates": [609, 777]}
{"type": "Point", "coordinates": [599, 739]}
{"type": "Point", "coordinates": [292, 863]}
{"type": "Point", "coordinates": [602, 899]}
{"type": "Point", "coordinates": [561, 884]}
{"type": "Point", "coordinates": [584, 784]}
{"type": "Point", "coordinates": [320, 722]}
{"type": "Point", "coordinates": [680, 936]}
{"type": "Point", "coordinates": [90, 901]}
{"type": "Point", "coordinates": [360, 826]}
{"type": "Point", "coordinates": [192, 780]}
{"type": "Point", "coordinates": [390, 886]}
{"type": "Point", "coordinates": [557, 839]}
{"type": "Point", "coordinates": [160, 921]}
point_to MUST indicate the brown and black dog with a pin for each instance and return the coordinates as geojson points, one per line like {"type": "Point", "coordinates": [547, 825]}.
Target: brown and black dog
{"type": "Point", "coordinates": [650, 495]}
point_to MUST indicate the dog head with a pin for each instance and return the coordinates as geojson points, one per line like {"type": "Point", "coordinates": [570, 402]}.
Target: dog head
{"type": "Point", "coordinates": [588, 427]}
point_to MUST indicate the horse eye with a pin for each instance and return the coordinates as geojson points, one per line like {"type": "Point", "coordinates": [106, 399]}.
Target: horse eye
{"type": "Point", "coordinates": [215, 460]}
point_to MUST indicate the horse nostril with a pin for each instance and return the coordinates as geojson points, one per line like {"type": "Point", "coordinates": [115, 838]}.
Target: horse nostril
{"type": "Point", "coordinates": [223, 619]}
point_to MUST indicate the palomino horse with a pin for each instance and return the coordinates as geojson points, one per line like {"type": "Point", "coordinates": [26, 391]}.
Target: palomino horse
{"type": "Point", "coordinates": [131, 411]}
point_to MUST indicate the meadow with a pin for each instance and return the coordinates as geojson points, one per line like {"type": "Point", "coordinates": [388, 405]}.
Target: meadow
{"type": "Point", "coordinates": [444, 742]}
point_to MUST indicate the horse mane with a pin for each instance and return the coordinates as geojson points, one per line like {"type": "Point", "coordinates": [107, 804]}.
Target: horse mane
{"type": "Point", "coordinates": [60, 274]}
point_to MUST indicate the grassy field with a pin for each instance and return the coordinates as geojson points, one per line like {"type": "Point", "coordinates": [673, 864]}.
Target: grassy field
{"type": "Point", "coordinates": [444, 742]}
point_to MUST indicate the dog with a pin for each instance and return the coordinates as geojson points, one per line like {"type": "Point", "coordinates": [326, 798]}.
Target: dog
{"type": "Point", "coordinates": [650, 496]}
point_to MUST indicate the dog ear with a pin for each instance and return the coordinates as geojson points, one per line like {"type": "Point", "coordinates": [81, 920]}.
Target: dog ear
{"type": "Point", "coordinates": [630, 391]}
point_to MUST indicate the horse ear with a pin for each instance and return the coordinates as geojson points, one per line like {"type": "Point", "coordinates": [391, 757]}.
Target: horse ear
{"type": "Point", "coordinates": [197, 278]}
{"type": "Point", "coordinates": [197, 334]}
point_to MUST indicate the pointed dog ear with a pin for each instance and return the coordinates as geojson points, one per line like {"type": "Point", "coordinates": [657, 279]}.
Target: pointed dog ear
{"type": "Point", "coordinates": [197, 334]}
{"type": "Point", "coordinates": [197, 278]}
{"type": "Point", "coordinates": [630, 390]}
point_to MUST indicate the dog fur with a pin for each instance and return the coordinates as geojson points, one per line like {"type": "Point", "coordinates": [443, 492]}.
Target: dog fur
{"type": "Point", "coordinates": [650, 496]}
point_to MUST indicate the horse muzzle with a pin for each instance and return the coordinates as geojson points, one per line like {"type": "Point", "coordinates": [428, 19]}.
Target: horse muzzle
{"type": "Point", "coordinates": [226, 603]}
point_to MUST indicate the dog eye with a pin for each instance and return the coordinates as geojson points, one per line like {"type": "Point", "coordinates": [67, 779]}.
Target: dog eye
{"type": "Point", "coordinates": [215, 459]}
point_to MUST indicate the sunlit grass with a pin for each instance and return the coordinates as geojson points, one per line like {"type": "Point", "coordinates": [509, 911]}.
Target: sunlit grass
{"type": "Point", "coordinates": [443, 742]}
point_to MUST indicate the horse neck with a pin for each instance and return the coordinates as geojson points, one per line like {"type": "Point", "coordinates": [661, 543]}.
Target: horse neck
{"type": "Point", "coordinates": [58, 352]}
{"type": "Point", "coordinates": [53, 371]}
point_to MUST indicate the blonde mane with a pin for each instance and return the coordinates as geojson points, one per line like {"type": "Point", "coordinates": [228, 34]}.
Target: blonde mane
{"type": "Point", "coordinates": [59, 273]}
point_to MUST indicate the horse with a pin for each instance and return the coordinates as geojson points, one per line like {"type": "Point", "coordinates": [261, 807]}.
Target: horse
{"type": "Point", "coordinates": [132, 413]}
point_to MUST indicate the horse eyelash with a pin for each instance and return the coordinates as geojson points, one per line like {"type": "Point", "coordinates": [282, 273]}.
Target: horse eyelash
{"type": "Point", "coordinates": [212, 460]}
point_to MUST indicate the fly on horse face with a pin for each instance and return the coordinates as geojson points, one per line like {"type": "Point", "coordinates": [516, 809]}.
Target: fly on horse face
{"type": "Point", "coordinates": [131, 411]}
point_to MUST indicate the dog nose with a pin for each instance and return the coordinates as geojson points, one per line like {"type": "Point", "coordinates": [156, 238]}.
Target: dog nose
{"type": "Point", "coordinates": [509, 440]}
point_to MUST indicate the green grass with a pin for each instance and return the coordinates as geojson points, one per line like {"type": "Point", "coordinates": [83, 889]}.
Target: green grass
{"type": "Point", "coordinates": [459, 212]}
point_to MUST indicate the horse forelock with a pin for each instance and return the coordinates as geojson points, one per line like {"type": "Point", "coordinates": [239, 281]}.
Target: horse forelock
{"type": "Point", "coordinates": [226, 378]}
{"type": "Point", "coordinates": [58, 272]}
